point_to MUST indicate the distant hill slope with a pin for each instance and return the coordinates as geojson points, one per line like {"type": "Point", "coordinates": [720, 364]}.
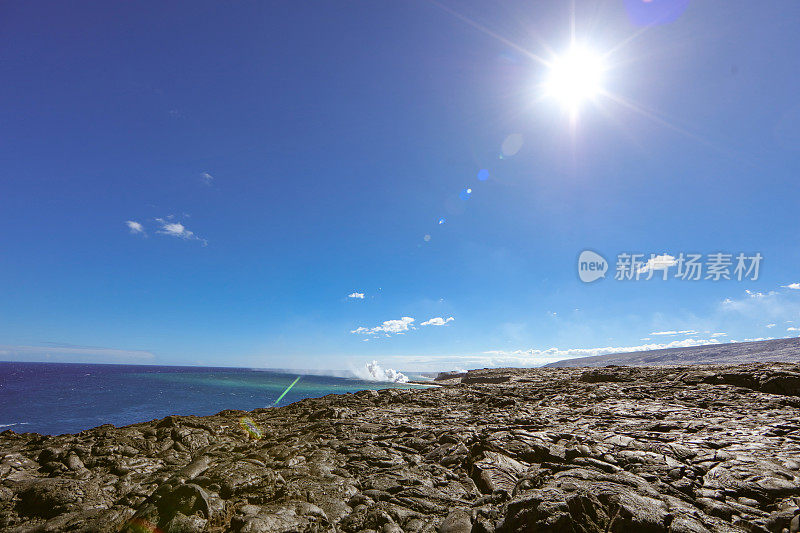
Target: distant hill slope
{"type": "Point", "coordinates": [782, 350]}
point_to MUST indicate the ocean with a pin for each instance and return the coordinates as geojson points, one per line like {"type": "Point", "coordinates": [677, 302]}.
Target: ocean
{"type": "Point", "coordinates": [56, 398]}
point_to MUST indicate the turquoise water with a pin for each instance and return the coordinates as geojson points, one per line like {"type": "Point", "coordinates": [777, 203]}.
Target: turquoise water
{"type": "Point", "coordinates": [55, 398]}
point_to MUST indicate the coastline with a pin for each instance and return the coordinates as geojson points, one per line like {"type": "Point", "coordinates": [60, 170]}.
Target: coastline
{"type": "Point", "coordinates": [56, 398]}
{"type": "Point", "coordinates": [701, 448]}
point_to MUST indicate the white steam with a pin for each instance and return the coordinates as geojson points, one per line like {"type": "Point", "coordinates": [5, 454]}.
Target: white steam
{"type": "Point", "coordinates": [373, 372]}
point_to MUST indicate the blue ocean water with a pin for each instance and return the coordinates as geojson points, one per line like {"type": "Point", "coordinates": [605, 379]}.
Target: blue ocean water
{"type": "Point", "coordinates": [56, 398]}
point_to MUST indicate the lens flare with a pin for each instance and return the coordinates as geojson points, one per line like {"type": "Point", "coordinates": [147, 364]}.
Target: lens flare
{"type": "Point", "coordinates": [137, 525]}
{"type": "Point", "coordinates": [251, 428]}
{"type": "Point", "coordinates": [575, 77]}
{"type": "Point", "coordinates": [483, 174]}
{"type": "Point", "coordinates": [465, 194]}
{"type": "Point", "coordinates": [427, 238]}
{"type": "Point", "coordinates": [287, 390]}
{"type": "Point", "coordinates": [511, 145]}
{"type": "Point", "coordinates": [442, 221]}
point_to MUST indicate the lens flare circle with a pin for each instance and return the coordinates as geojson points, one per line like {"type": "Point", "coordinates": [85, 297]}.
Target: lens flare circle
{"type": "Point", "coordinates": [511, 145]}
{"type": "Point", "coordinates": [575, 77]}
{"type": "Point", "coordinates": [137, 525]}
{"type": "Point", "coordinates": [251, 428]}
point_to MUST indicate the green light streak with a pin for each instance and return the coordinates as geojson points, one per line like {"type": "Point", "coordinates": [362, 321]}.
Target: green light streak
{"type": "Point", "coordinates": [287, 390]}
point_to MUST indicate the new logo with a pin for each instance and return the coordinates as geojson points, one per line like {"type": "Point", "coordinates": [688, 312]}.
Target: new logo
{"type": "Point", "coordinates": [591, 266]}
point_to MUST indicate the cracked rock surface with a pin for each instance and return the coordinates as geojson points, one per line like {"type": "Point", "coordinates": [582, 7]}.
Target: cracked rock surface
{"type": "Point", "coordinates": [615, 449]}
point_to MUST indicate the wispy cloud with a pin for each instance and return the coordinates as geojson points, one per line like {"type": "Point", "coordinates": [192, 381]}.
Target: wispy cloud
{"type": "Point", "coordinates": [791, 328]}
{"type": "Point", "coordinates": [772, 305]}
{"type": "Point", "coordinates": [770, 325]}
{"type": "Point", "coordinates": [719, 334]}
{"type": "Point", "coordinates": [207, 178]}
{"type": "Point", "coordinates": [437, 321]}
{"type": "Point", "coordinates": [178, 230]}
{"type": "Point", "coordinates": [794, 286]}
{"type": "Point", "coordinates": [135, 227]}
{"type": "Point", "coordinates": [356, 295]}
{"type": "Point", "coordinates": [671, 332]}
{"type": "Point", "coordinates": [755, 294]}
{"type": "Point", "coordinates": [388, 327]}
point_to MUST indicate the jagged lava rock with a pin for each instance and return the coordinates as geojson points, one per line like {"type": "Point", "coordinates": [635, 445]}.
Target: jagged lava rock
{"type": "Point", "coordinates": [617, 449]}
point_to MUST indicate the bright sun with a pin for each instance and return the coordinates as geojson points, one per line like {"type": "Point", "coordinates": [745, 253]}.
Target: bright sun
{"type": "Point", "coordinates": [575, 77]}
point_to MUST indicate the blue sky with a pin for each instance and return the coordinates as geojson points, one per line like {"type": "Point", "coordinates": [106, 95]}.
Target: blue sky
{"type": "Point", "coordinates": [276, 160]}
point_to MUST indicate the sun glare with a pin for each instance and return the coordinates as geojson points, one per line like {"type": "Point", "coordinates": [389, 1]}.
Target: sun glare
{"type": "Point", "coordinates": [575, 77]}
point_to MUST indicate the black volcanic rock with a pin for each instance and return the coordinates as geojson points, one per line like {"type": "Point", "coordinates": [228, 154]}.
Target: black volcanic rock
{"type": "Point", "coordinates": [682, 449]}
{"type": "Point", "coordinates": [443, 376]}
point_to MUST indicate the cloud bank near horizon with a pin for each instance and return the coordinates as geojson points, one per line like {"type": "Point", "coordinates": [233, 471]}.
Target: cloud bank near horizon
{"type": "Point", "coordinates": [535, 357]}
{"type": "Point", "coordinates": [70, 353]}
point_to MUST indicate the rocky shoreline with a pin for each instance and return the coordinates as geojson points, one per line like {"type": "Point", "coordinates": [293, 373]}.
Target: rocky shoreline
{"type": "Point", "coordinates": [616, 449]}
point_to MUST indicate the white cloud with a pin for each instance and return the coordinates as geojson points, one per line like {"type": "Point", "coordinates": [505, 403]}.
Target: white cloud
{"type": "Point", "coordinates": [178, 230]}
{"type": "Point", "coordinates": [759, 339]}
{"type": "Point", "coordinates": [752, 294]}
{"type": "Point", "coordinates": [719, 334]}
{"type": "Point", "coordinates": [770, 325]}
{"type": "Point", "coordinates": [388, 327]}
{"type": "Point", "coordinates": [175, 229]}
{"type": "Point", "coordinates": [207, 178]}
{"type": "Point", "coordinates": [135, 227]}
{"type": "Point", "coordinates": [795, 286]}
{"type": "Point", "coordinates": [437, 321]}
{"type": "Point", "coordinates": [658, 262]}
{"type": "Point", "coordinates": [792, 328]}
{"type": "Point", "coordinates": [356, 295]}
{"type": "Point", "coordinates": [672, 332]}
